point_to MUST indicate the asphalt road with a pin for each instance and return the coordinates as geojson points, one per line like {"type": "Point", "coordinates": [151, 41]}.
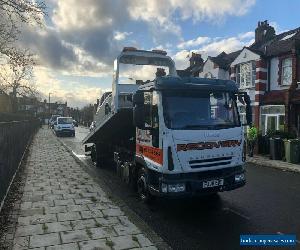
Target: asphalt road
{"type": "Point", "coordinates": [268, 204]}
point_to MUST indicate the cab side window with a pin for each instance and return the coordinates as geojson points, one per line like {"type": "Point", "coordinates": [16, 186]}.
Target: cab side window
{"type": "Point", "coordinates": [154, 111]}
{"type": "Point", "coordinates": [151, 116]}
{"type": "Point", "coordinates": [155, 120]}
{"type": "Point", "coordinates": [147, 109]}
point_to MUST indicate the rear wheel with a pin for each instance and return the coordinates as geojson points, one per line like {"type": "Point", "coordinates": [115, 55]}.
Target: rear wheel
{"type": "Point", "coordinates": [142, 187]}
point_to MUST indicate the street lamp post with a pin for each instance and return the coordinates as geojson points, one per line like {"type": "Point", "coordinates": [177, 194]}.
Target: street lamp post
{"type": "Point", "coordinates": [49, 105]}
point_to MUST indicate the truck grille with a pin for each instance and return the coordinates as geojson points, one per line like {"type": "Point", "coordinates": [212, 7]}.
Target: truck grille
{"type": "Point", "coordinates": [213, 162]}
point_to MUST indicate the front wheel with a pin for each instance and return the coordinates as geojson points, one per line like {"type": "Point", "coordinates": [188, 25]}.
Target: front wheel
{"type": "Point", "coordinates": [142, 187]}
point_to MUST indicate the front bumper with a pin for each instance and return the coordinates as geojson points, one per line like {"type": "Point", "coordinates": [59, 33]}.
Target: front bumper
{"type": "Point", "coordinates": [194, 182]}
{"type": "Point", "coordinates": [65, 131]}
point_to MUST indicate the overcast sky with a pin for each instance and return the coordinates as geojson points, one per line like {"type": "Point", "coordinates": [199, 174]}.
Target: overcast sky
{"type": "Point", "coordinates": [81, 38]}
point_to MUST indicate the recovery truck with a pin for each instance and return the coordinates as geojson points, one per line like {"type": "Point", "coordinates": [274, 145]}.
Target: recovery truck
{"type": "Point", "coordinates": [172, 136]}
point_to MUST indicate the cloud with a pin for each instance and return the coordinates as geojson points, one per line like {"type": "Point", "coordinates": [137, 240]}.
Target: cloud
{"type": "Point", "coordinates": [227, 44]}
{"type": "Point", "coordinates": [246, 35]}
{"type": "Point", "coordinates": [119, 36]}
{"type": "Point", "coordinates": [165, 12]}
{"type": "Point", "coordinates": [82, 38]}
{"type": "Point", "coordinates": [75, 93]}
{"type": "Point", "coordinates": [49, 47]}
{"type": "Point", "coordinates": [181, 59]}
{"type": "Point", "coordinates": [193, 42]}
{"type": "Point", "coordinates": [211, 46]}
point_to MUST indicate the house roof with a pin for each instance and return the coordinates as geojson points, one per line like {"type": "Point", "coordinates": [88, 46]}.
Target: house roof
{"type": "Point", "coordinates": [280, 44]}
{"type": "Point", "coordinates": [224, 60]}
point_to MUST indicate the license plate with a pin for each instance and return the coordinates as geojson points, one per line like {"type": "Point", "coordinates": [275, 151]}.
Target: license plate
{"type": "Point", "coordinates": [213, 183]}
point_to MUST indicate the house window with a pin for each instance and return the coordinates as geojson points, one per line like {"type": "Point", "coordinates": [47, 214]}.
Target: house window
{"type": "Point", "coordinates": [272, 118]}
{"type": "Point", "coordinates": [286, 73]}
{"type": "Point", "coordinates": [246, 74]}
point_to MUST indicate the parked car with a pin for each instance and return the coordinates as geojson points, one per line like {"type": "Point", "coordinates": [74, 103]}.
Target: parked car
{"type": "Point", "coordinates": [53, 120]}
{"type": "Point", "coordinates": [64, 126]}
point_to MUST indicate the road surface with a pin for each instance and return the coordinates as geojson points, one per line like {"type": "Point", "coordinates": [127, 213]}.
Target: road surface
{"type": "Point", "coordinates": [268, 204]}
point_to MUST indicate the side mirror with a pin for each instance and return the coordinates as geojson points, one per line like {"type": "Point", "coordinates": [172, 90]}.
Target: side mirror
{"type": "Point", "coordinates": [139, 116]}
{"type": "Point", "coordinates": [244, 98]}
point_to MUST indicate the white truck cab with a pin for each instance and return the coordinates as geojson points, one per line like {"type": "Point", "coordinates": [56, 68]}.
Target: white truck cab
{"type": "Point", "coordinates": [189, 136]}
{"type": "Point", "coordinates": [64, 126]}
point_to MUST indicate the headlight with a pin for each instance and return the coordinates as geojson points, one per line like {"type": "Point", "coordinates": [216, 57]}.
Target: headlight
{"type": "Point", "coordinates": [239, 177]}
{"type": "Point", "coordinates": [58, 127]}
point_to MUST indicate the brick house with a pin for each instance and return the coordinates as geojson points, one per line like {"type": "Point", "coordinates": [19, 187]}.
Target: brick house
{"type": "Point", "coordinates": [269, 71]}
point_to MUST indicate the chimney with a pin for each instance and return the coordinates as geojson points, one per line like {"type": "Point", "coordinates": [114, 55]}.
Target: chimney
{"type": "Point", "coordinates": [196, 59]}
{"type": "Point", "coordinates": [160, 72]}
{"type": "Point", "coordinates": [264, 32]}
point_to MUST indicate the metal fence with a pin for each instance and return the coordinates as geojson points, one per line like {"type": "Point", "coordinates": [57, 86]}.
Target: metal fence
{"type": "Point", "coordinates": [14, 138]}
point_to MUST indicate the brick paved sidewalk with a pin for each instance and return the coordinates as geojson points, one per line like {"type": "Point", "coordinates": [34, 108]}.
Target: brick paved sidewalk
{"type": "Point", "coordinates": [63, 208]}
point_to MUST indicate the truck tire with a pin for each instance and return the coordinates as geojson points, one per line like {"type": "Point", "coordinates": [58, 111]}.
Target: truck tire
{"type": "Point", "coordinates": [142, 186]}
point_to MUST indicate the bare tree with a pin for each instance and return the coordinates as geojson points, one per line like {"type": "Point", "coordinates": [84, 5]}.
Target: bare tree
{"type": "Point", "coordinates": [16, 65]}
{"type": "Point", "coordinates": [17, 75]}
{"type": "Point", "coordinates": [14, 13]}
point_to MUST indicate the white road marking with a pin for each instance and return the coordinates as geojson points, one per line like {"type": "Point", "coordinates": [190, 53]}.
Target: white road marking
{"type": "Point", "coordinates": [237, 213]}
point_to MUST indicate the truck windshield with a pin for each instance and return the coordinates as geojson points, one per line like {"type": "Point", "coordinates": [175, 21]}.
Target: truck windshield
{"type": "Point", "coordinates": [65, 120]}
{"type": "Point", "coordinates": [195, 110]}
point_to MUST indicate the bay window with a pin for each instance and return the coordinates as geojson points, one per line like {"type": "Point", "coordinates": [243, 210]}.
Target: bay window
{"type": "Point", "coordinates": [272, 118]}
{"type": "Point", "coordinates": [286, 71]}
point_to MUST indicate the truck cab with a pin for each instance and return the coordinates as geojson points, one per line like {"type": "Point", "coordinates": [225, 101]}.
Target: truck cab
{"type": "Point", "coordinates": [189, 136]}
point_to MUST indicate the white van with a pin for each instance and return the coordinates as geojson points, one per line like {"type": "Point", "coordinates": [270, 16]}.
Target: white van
{"type": "Point", "coordinates": [64, 125]}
